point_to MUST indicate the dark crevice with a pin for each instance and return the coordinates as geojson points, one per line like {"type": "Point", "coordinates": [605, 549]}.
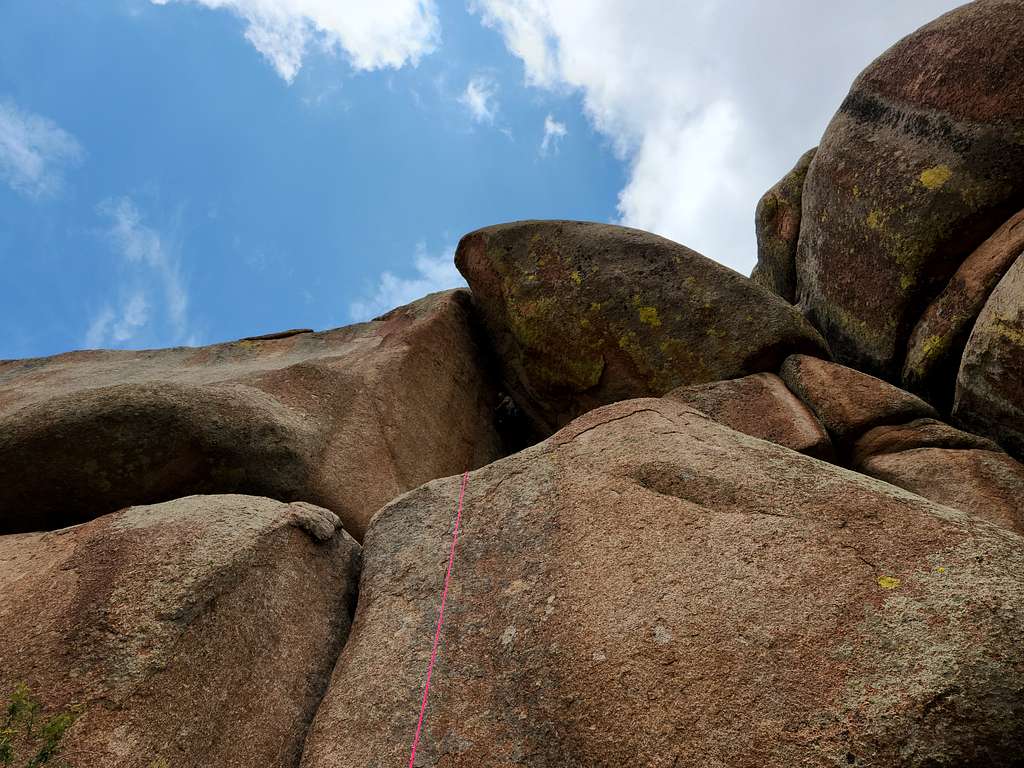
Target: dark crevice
{"type": "Point", "coordinates": [278, 335]}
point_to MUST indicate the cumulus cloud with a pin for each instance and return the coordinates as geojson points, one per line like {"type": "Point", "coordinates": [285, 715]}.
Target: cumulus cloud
{"type": "Point", "coordinates": [34, 152]}
{"type": "Point", "coordinates": [481, 98]}
{"type": "Point", "coordinates": [554, 132]}
{"type": "Point", "coordinates": [432, 273]}
{"type": "Point", "coordinates": [151, 303]}
{"type": "Point", "coordinates": [372, 35]}
{"type": "Point", "coordinates": [709, 102]}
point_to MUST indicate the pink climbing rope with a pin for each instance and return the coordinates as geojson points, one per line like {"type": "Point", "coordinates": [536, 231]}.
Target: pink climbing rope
{"type": "Point", "coordinates": [440, 620]}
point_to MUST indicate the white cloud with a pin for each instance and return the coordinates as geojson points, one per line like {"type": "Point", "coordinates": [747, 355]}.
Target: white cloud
{"type": "Point", "coordinates": [554, 132]}
{"type": "Point", "coordinates": [34, 152]}
{"type": "Point", "coordinates": [480, 98]}
{"type": "Point", "coordinates": [373, 35]}
{"type": "Point", "coordinates": [152, 302]}
{"type": "Point", "coordinates": [433, 273]}
{"type": "Point", "coordinates": [709, 102]}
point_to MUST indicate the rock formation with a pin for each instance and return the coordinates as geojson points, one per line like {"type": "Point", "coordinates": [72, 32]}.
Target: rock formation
{"type": "Point", "coordinates": [777, 222]}
{"type": "Point", "coordinates": [586, 314]}
{"type": "Point", "coordinates": [200, 631]}
{"type": "Point", "coordinates": [648, 587]}
{"type": "Point", "coordinates": [347, 419]}
{"type": "Point", "coordinates": [690, 537]}
{"type": "Point", "coordinates": [923, 162]}
{"type": "Point", "coordinates": [990, 385]}
{"type": "Point", "coordinates": [762, 406]}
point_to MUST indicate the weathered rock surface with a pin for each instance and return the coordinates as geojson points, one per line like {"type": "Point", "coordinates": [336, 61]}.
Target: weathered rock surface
{"type": "Point", "coordinates": [648, 587]}
{"type": "Point", "coordinates": [777, 223]}
{"type": "Point", "coordinates": [937, 343]}
{"type": "Point", "coordinates": [347, 419]}
{"type": "Point", "coordinates": [990, 385]}
{"type": "Point", "coordinates": [948, 466]}
{"type": "Point", "coordinates": [762, 406]}
{"type": "Point", "coordinates": [923, 161]}
{"type": "Point", "coordinates": [200, 631]}
{"type": "Point", "coordinates": [848, 402]}
{"type": "Point", "coordinates": [919, 433]}
{"type": "Point", "coordinates": [988, 484]}
{"type": "Point", "coordinates": [585, 314]}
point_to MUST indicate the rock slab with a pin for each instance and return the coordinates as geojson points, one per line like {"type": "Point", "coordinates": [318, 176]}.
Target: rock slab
{"type": "Point", "coordinates": [648, 587]}
{"type": "Point", "coordinates": [346, 419]}
{"type": "Point", "coordinates": [760, 405]}
{"type": "Point", "coordinates": [848, 402]}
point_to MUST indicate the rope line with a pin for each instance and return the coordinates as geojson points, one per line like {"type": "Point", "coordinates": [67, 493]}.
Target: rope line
{"type": "Point", "coordinates": [440, 620]}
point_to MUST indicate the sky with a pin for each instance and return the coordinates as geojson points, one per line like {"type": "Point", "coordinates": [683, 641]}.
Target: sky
{"type": "Point", "coordinates": [184, 172]}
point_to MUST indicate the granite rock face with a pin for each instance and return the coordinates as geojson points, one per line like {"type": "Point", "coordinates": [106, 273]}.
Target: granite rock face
{"type": "Point", "coordinates": [648, 587]}
{"type": "Point", "coordinates": [200, 631]}
{"type": "Point", "coordinates": [585, 314]}
{"type": "Point", "coordinates": [848, 402]}
{"type": "Point", "coordinates": [990, 385]}
{"type": "Point", "coordinates": [923, 161]}
{"type": "Point", "coordinates": [346, 419]}
{"type": "Point", "coordinates": [937, 343]}
{"type": "Point", "coordinates": [761, 406]}
{"type": "Point", "coordinates": [777, 223]}
{"type": "Point", "coordinates": [727, 550]}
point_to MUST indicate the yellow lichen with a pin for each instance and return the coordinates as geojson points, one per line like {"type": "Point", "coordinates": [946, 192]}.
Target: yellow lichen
{"type": "Point", "coordinates": [888, 582]}
{"type": "Point", "coordinates": [576, 277]}
{"type": "Point", "coordinates": [875, 219]}
{"type": "Point", "coordinates": [649, 316]}
{"type": "Point", "coordinates": [1008, 329]}
{"type": "Point", "coordinates": [933, 178]}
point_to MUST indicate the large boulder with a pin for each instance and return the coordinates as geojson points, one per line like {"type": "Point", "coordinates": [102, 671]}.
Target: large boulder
{"type": "Point", "coordinates": [347, 419]}
{"type": "Point", "coordinates": [847, 402]}
{"type": "Point", "coordinates": [777, 224]}
{"type": "Point", "coordinates": [198, 632]}
{"type": "Point", "coordinates": [923, 161]}
{"type": "Point", "coordinates": [987, 484]}
{"type": "Point", "coordinates": [937, 343]}
{"type": "Point", "coordinates": [990, 386]}
{"type": "Point", "coordinates": [919, 433]}
{"type": "Point", "coordinates": [762, 406]}
{"type": "Point", "coordinates": [648, 587]}
{"type": "Point", "coordinates": [948, 466]}
{"type": "Point", "coordinates": [586, 314]}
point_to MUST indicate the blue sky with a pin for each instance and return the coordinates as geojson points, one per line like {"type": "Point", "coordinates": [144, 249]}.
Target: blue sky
{"type": "Point", "coordinates": [183, 172]}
